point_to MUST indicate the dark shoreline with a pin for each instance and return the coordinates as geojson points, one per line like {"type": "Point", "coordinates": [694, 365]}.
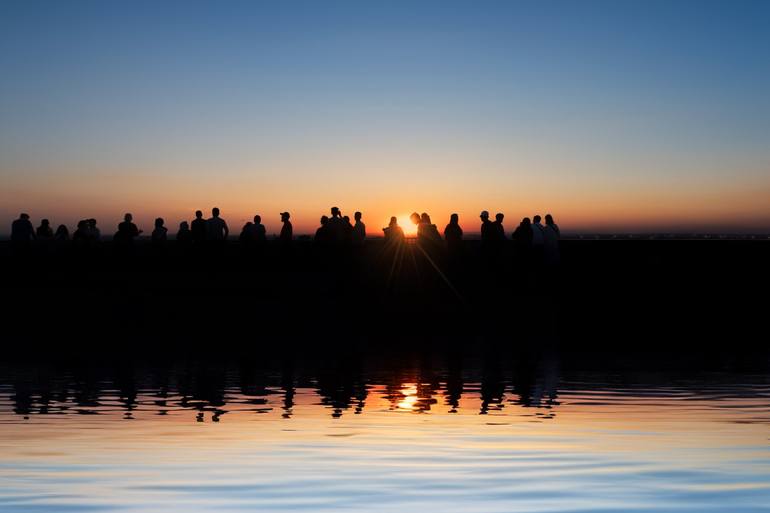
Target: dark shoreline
{"type": "Point", "coordinates": [628, 296]}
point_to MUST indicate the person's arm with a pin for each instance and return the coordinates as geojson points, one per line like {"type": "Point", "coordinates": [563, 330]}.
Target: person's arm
{"type": "Point", "coordinates": [227, 230]}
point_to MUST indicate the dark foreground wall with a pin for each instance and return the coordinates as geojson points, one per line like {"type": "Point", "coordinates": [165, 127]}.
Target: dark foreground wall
{"type": "Point", "coordinates": [625, 295]}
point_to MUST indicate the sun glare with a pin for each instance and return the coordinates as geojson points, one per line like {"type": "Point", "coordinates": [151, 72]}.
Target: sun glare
{"type": "Point", "coordinates": [406, 224]}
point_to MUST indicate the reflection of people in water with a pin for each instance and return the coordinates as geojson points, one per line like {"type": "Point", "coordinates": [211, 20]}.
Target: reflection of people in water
{"type": "Point", "coordinates": [393, 232]}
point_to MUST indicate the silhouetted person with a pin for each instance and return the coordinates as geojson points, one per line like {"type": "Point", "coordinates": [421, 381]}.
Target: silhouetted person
{"type": "Point", "coordinates": [522, 241]}
{"type": "Point", "coordinates": [347, 231]}
{"type": "Point", "coordinates": [159, 234]}
{"type": "Point", "coordinates": [393, 232]}
{"type": "Point", "coordinates": [415, 218]}
{"type": "Point", "coordinates": [94, 234]}
{"type": "Point", "coordinates": [127, 230]}
{"type": "Point", "coordinates": [184, 235]}
{"type": "Point", "coordinates": [287, 231]}
{"type": "Point", "coordinates": [198, 228]}
{"type": "Point", "coordinates": [62, 234]}
{"type": "Point", "coordinates": [80, 236]}
{"type": "Point", "coordinates": [22, 230]}
{"type": "Point", "coordinates": [426, 230]}
{"type": "Point", "coordinates": [359, 230]}
{"type": "Point", "coordinates": [247, 234]}
{"type": "Point", "coordinates": [22, 233]}
{"type": "Point", "coordinates": [487, 234]}
{"type": "Point", "coordinates": [453, 234]}
{"type": "Point", "coordinates": [551, 236]}
{"type": "Point", "coordinates": [216, 227]}
{"type": "Point", "coordinates": [260, 235]}
{"type": "Point", "coordinates": [323, 235]}
{"type": "Point", "coordinates": [44, 231]}
{"type": "Point", "coordinates": [498, 232]}
{"type": "Point", "coordinates": [538, 240]}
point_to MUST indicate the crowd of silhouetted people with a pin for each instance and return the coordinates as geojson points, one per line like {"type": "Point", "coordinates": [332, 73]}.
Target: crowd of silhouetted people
{"type": "Point", "coordinates": [531, 240]}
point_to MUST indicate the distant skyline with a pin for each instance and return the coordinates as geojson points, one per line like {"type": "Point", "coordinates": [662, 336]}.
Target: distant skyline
{"type": "Point", "coordinates": [612, 116]}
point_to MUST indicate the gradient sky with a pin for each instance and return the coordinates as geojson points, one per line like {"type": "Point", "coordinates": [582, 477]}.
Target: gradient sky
{"type": "Point", "coordinates": [616, 115]}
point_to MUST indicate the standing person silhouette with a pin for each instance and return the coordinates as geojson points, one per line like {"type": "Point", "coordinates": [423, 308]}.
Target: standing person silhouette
{"type": "Point", "coordinates": [198, 228]}
{"type": "Point", "coordinates": [260, 235]}
{"type": "Point", "coordinates": [287, 231]}
{"type": "Point", "coordinates": [216, 227]}
{"type": "Point", "coordinates": [498, 232]}
{"type": "Point", "coordinates": [393, 232]}
{"type": "Point", "coordinates": [62, 233]}
{"type": "Point", "coordinates": [184, 235]}
{"type": "Point", "coordinates": [486, 227]}
{"type": "Point", "coordinates": [551, 236]}
{"type": "Point", "coordinates": [359, 230]}
{"type": "Point", "coordinates": [127, 230]}
{"type": "Point", "coordinates": [22, 233]}
{"type": "Point", "coordinates": [453, 233]}
{"type": "Point", "coordinates": [537, 240]}
{"type": "Point", "coordinates": [44, 231]}
{"type": "Point", "coordinates": [159, 234]}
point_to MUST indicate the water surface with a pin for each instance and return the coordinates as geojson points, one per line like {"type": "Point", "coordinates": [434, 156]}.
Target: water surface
{"type": "Point", "coordinates": [458, 435]}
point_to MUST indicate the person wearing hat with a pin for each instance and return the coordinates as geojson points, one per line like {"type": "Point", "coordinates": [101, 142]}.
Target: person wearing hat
{"type": "Point", "coordinates": [286, 230]}
{"type": "Point", "coordinates": [487, 230]}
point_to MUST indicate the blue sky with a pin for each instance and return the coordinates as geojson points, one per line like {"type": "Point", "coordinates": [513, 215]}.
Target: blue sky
{"type": "Point", "coordinates": [616, 115]}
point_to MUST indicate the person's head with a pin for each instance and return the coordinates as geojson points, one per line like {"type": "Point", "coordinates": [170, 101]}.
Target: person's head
{"type": "Point", "coordinates": [536, 219]}
{"type": "Point", "coordinates": [184, 226]}
{"type": "Point", "coordinates": [159, 222]}
{"type": "Point", "coordinates": [526, 221]}
{"type": "Point", "coordinates": [82, 224]}
{"type": "Point", "coordinates": [92, 223]}
{"type": "Point", "coordinates": [424, 218]}
{"type": "Point", "coordinates": [128, 218]}
{"type": "Point", "coordinates": [346, 219]}
{"type": "Point", "coordinates": [484, 216]}
{"type": "Point", "coordinates": [499, 217]}
{"type": "Point", "coordinates": [248, 225]}
{"type": "Point", "coordinates": [62, 230]}
{"type": "Point", "coordinates": [45, 223]}
{"type": "Point", "coordinates": [324, 220]}
{"type": "Point", "coordinates": [415, 217]}
{"type": "Point", "coordinates": [454, 219]}
{"type": "Point", "coordinates": [393, 221]}
{"type": "Point", "coordinates": [285, 216]}
{"type": "Point", "coordinates": [357, 216]}
{"type": "Point", "coordinates": [24, 216]}
{"type": "Point", "coordinates": [548, 219]}
{"type": "Point", "coordinates": [198, 214]}
{"type": "Point", "coordinates": [257, 219]}
{"type": "Point", "coordinates": [215, 212]}
{"type": "Point", "coordinates": [335, 211]}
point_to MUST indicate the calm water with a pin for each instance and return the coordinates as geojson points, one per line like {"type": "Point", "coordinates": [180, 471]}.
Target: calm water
{"type": "Point", "coordinates": [362, 435]}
